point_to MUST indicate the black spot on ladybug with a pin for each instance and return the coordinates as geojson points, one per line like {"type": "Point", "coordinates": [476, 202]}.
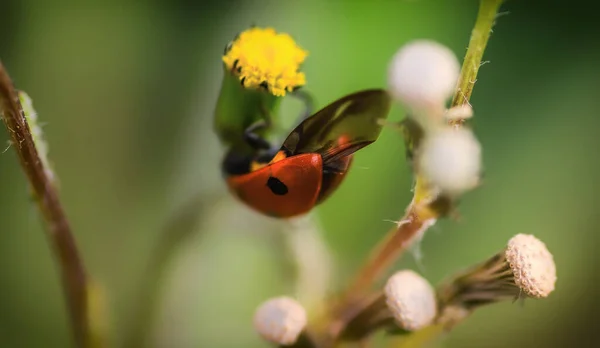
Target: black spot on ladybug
{"type": "Point", "coordinates": [277, 186]}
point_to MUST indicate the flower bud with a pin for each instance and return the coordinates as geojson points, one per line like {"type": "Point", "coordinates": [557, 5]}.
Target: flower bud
{"type": "Point", "coordinates": [411, 300]}
{"type": "Point", "coordinates": [532, 265]}
{"type": "Point", "coordinates": [524, 267]}
{"type": "Point", "coordinates": [423, 75]}
{"type": "Point", "coordinates": [260, 66]}
{"type": "Point", "coordinates": [262, 58]}
{"type": "Point", "coordinates": [280, 320]}
{"type": "Point", "coordinates": [450, 159]}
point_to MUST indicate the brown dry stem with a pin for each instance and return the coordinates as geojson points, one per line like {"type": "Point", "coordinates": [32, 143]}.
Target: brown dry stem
{"type": "Point", "coordinates": [73, 274]}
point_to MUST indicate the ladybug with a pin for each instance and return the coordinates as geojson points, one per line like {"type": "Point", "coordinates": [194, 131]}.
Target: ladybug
{"type": "Point", "coordinates": [313, 160]}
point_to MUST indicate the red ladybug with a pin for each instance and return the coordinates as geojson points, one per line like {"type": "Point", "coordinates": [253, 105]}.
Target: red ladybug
{"type": "Point", "coordinates": [313, 160]}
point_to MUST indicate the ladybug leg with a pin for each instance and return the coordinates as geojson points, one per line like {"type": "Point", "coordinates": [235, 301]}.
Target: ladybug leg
{"type": "Point", "coordinates": [235, 163]}
{"type": "Point", "coordinates": [411, 131]}
{"type": "Point", "coordinates": [255, 140]}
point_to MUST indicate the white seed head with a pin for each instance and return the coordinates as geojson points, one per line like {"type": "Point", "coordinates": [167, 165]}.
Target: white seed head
{"type": "Point", "coordinates": [411, 299]}
{"type": "Point", "coordinates": [450, 158]}
{"type": "Point", "coordinates": [532, 265]}
{"type": "Point", "coordinates": [423, 75]}
{"type": "Point", "coordinates": [280, 320]}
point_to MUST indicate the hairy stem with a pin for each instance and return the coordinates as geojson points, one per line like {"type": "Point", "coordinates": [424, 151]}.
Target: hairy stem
{"type": "Point", "coordinates": [488, 10]}
{"type": "Point", "coordinates": [397, 240]}
{"type": "Point", "coordinates": [57, 226]}
{"type": "Point", "coordinates": [421, 213]}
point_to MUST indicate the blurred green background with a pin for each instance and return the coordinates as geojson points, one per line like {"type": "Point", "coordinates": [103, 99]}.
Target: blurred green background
{"type": "Point", "coordinates": [127, 89]}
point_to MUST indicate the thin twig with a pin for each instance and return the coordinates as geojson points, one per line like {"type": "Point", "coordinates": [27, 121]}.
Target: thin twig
{"type": "Point", "coordinates": [373, 316]}
{"type": "Point", "coordinates": [397, 240]}
{"type": "Point", "coordinates": [57, 226]}
{"type": "Point", "coordinates": [420, 214]}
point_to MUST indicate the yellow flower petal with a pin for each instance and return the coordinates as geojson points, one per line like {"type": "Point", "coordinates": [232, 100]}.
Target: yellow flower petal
{"type": "Point", "coordinates": [262, 58]}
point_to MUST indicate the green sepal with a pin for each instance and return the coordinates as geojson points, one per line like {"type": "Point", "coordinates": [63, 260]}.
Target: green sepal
{"type": "Point", "coordinates": [239, 107]}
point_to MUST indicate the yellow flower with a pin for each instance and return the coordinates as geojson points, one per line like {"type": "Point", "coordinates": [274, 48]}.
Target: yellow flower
{"type": "Point", "coordinates": [262, 58]}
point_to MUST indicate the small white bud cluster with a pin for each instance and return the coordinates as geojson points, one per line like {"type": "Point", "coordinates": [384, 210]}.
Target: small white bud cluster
{"type": "Point", "coordinates": [411, 300]}
{"type": "Point", "coordinates": [450, 159]}
{"type": "Point", "coordinates": [423, 76]}
{"type": "Point", "coordinates": [280, 320]}
{"type": "Point", "coordinates": [532, 265]}
{"type": "Point", "coordinates": [524, 267]}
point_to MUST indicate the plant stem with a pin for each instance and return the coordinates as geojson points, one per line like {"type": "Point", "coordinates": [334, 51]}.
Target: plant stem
{"type": "Point", "coordinates": [304, 341]}
{"type": "Point", "coordinates": [57, 226]}
{"type": "Point", "coordinates": [420, 338]}
{"type": "Point", "coordinates": [488, 11]}
{"type": "Point", "coordinates": [417, 219]}
{"type": "Point", "coordinates": [420, 214]}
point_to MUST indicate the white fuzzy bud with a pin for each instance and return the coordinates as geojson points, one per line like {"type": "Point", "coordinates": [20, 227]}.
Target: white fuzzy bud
{"type": "Point", "coordinates": [532, 265]}
{"type": "Point", "coordinates": [411, 300]}
{"type": "Point", "coordinates": [280, 320]}
{"type": "Point", "coordinates": [450, 159]}
{"type": "Point", "coordinates": [423, 75]}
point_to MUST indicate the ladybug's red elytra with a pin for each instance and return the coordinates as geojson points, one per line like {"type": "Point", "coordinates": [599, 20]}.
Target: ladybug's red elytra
{"type": "Point", "coordinates": [313, 160]}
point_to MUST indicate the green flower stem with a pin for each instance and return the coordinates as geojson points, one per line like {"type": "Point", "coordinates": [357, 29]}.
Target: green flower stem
{"type": "Point", "coordinates": [417, 218]}
{"type": "Point", "coordinates": [238, 108]}
{"type": "Point", "coordinates": [486, 18]}
{"type": "Point", "coordinates": [488, 11]}
{"type": "Point", "coordinates": [71, 266]}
